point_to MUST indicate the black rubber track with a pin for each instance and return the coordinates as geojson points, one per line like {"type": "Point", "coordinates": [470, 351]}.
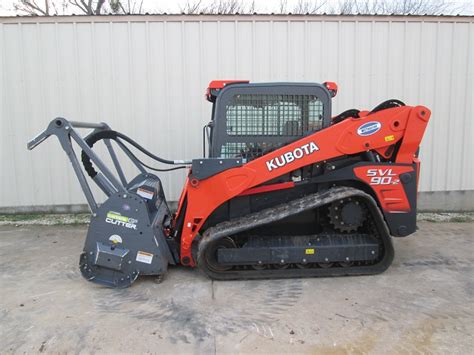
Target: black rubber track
{"type": "Point", "coordinates": [279, 212]}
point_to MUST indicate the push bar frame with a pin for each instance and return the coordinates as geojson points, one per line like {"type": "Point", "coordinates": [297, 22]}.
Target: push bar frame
{"type": "Point", "coordinates": [66, 131]}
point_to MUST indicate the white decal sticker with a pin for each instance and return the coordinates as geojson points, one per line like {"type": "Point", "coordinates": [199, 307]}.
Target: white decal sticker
{"type": "Point", "coordinates": [122, 221]}
{"type": "Point", "coordinates": [115, 239]}
{"type": "Point", "coordinates": [291, 156]}
{"type": "Point", "coordinates": [144, 257]}
{"type": "Point", "coordinates": [145, 193]}
{"type": "Point", "coordinates": [369, 128]}
{"type": "Point", "coordinates": [382, 177]}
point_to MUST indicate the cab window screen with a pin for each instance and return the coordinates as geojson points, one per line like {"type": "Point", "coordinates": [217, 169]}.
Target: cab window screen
{"type": "Point", "coordinates": [247, 150]}
{"type": "Point", "coordinates": [273, 115]}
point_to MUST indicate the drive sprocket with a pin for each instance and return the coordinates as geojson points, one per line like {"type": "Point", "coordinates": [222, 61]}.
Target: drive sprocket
{"type": "Point", "coordinates": [347, 215]}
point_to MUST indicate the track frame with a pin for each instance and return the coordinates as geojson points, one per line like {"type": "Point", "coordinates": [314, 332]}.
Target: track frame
{"type": "Point", "coordinates": [228, 228]}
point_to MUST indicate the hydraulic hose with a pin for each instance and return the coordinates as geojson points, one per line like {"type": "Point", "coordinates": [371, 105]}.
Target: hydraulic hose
{"type": "Point", "coordinates": [387, 104]}
{"type": "Point", "coordinates": [114, 135]}
{"type": "Point", "coordinates": [150, 167]}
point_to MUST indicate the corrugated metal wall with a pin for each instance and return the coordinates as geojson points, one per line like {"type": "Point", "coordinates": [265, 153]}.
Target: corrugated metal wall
{"type": "Point", "coordinates": [146, 76]}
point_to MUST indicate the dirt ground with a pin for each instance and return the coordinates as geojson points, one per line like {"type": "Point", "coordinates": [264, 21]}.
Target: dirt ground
{"type": "Point", "coordinates": [422, 304]}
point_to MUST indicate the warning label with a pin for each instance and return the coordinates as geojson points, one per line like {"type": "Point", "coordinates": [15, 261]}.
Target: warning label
{"type": "Point", "coordinates": [144, 257]}
{"type": "Point", "coordinates": [145, 193]}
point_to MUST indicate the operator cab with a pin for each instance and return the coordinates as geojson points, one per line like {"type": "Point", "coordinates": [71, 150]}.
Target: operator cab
{"type": "Point", "coordinates": [248, 119]}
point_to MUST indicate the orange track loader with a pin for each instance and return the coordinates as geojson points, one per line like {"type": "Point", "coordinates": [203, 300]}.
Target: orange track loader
{"type": "Point", "coordinates": [283, 189]}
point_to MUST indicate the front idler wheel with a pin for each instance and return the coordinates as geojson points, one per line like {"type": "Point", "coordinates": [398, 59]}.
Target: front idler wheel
{"type": "Point", "coordinates": [211, 254]}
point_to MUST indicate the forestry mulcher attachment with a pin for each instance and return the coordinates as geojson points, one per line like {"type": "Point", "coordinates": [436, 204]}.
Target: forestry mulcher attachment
{"type": "Point", "coordinates": [286, 190]}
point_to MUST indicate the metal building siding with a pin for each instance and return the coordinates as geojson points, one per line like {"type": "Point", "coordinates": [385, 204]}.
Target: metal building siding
{"type": "Point", "coordinates": [146, 76]}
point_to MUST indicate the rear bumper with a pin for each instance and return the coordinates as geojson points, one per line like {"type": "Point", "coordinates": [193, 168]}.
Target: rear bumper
{"type": "Point", "coordinates": [402, 224]}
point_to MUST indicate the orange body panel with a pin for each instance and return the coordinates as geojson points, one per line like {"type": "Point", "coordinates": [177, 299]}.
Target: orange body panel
{"type": "Point", "coordinates": [401, 123]}
{"type": "Point", "coordinates": [385, 181]}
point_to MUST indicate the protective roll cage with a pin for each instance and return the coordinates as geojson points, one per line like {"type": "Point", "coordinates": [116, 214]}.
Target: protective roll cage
{"type": "Point", "coordinates": [65, 130]}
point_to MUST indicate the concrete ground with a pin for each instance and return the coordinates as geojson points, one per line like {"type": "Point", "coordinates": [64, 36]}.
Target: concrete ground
{"type": "Point", "coordinates": [422, 304]}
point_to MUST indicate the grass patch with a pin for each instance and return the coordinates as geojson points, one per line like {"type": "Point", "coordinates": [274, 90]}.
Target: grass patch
{"type": "Point", "coordinates": [461, 219]}
{"type": "Point", "coordinates": [446, 217]}
{"type": "Point", "coordinates": [19, 217]}
{"type": "Point", "coordinates": [45, 219]}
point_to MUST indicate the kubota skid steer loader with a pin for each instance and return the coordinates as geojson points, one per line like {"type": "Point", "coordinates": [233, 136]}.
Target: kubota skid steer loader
{"type": "Point", "coordinates": [286, 189]}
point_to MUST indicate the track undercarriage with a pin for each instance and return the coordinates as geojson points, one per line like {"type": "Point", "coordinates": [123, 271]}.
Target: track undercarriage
{"type": "Point", "coordinates": [241, 249]}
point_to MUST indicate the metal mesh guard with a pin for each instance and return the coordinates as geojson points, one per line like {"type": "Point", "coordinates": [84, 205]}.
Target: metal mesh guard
{"type": "Point", "coordinates": [247, 150]}
{"type": "Point", "coordinates": [273, 115]}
